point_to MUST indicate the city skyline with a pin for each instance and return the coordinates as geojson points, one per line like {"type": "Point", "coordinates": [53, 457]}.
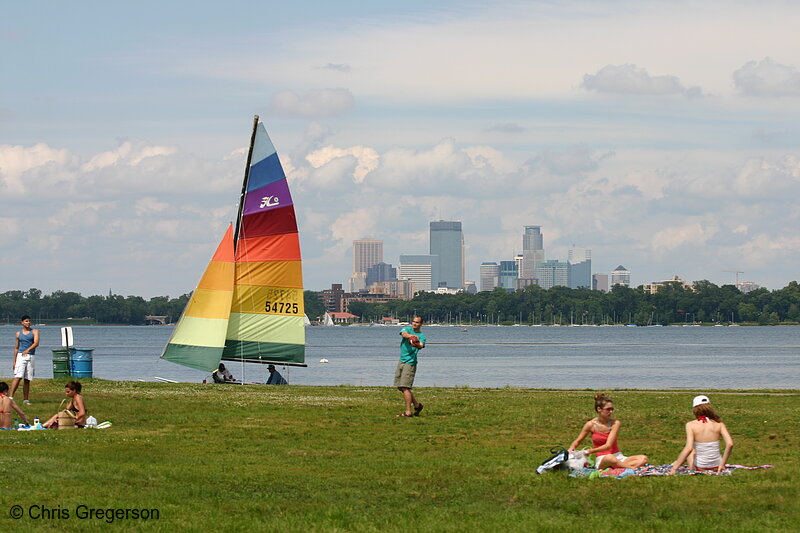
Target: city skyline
{"type": "Point", "coordinates": [662, 136]}
{"type": "Point", "coordinates": [575, 272]}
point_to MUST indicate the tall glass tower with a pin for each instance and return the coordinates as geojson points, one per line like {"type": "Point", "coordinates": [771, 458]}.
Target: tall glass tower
{"type": "Point", "coordinates": [532, 251]}
{"type": "Point", "coordinates": [447, 241]}
{"type": "Point", "coordinates": [580, 267]}
{"type": "Point", "coordinates": [532, 238]}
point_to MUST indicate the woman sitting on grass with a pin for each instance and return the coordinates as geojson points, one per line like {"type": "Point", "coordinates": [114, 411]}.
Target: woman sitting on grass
{"type": "Point", "coordinates": [604, 431]}
{"type": "Point", "coordinates": [6, 405]}
{"type": "Point", "coordinates": [702, 439]}
{"type": "Point", "coordinates": [76, 405]}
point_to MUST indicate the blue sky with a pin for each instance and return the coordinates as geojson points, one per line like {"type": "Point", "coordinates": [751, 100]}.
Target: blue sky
{"type": "Point", "coordinates": [662, 135]}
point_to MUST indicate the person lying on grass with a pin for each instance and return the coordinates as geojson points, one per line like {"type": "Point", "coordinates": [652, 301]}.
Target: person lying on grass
{"type": "Point", "coordinates": [604, 431]}
{"type": "Point", "coordinates": [6, 405]}
{"type": "Point", "coordinates": [76, 405]}
{"type": "Point", "coordinates": [702, 439]}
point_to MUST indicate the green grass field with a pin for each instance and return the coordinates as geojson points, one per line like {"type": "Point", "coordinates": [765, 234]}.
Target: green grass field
{"type": "Point", "coordinates": [298, 458]}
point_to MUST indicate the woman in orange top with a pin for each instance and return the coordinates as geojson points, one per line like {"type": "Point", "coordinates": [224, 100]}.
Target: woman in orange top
{"type": "Point", "coordinates": [604, 431]}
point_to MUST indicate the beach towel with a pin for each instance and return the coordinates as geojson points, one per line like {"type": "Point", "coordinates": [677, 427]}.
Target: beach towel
{"type": "Point", "coordinates": [663, 470]}
{"type": "Point", "coordinates": [658, 470]}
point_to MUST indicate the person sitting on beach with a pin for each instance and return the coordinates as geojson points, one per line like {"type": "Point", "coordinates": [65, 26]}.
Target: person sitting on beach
{"type": "Point", "coordinates": [76, 405]}
{"type": "Point", "coordinates": [6, 405]}
{"type": "Point", "coordinates": [702, 439]}
{"type": "Point", "coordinates": [604, 431]}
{"type": "Point", "coordinates": [275, 377]}
{"type": "Point", "coordinates": [222, 375]}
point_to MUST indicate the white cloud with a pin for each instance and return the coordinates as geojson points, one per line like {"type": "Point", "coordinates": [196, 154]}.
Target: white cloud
{"type": "Point", "coordinates": [763, 250]}
{"type": "Point", "coordinates": [351, 225]}
{"type": "Point", "coordinates": [16, 161]}
{"type": "Point", "coordinates": [486, 157]}
{"type": "Point", "coordinates": [694, 234]}
{"type": "Point", "coordinates": [367, 159]}
{"type": "Point", "coordinates": [316, 103]}
{"type": "Point", "coordinates": [438, 168]}
{"type": "Point", "coordinates": [336, 174]}
{"type": "Point", "coordinates": [77, 216]}
{"type": "Point", "coordinates": [767, 78]}
{"type": "Point", "coordinates": [768, 179]}
{"type": "Point", "coordinates": [126, 154]}
{"type": "Point", "coordinates": [630, 79]}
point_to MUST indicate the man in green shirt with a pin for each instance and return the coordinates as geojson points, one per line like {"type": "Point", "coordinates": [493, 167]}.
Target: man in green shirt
{"type": "Point", "coordinates": [413, 341]}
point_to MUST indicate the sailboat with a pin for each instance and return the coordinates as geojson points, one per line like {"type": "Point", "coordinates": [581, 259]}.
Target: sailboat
{"type": "Point", "coordinates": [327, 319]}
{"type": "Point", "coordinates": [248, 305]}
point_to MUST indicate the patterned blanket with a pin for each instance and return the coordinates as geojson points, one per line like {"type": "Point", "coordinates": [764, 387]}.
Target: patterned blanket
{"type": "Point", "coordinates": [658, 470]}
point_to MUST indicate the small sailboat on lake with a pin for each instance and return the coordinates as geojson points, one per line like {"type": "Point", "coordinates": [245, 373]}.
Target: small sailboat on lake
{"type": "Point", "coordinates": [248, 306]}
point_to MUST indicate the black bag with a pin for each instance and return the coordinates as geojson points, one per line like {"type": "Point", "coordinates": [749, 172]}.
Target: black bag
{"type": "Point", "coordinates": [556, 462]}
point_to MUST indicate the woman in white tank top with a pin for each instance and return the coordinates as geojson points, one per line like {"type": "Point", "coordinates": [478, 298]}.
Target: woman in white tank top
{"type": "Point", "coordinates": [702, 439]}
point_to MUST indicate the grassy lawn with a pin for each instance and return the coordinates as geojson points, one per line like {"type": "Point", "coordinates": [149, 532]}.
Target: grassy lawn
{"type": "Point", "coordinates": [336, 459]}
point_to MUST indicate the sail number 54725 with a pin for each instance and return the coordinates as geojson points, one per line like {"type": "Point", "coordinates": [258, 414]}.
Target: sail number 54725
{"type": "Point", "coordinates": [281, 307]}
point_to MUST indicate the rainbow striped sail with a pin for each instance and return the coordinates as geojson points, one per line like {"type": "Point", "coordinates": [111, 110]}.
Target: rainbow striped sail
{"type": "Point", "coordinates": [199, 336]}
{"type": "Point", "coordinates": [265, 315]}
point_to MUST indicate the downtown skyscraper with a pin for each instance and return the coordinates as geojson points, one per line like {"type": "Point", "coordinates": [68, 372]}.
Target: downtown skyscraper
{"type": "Point", "coordinates": [532, 251]}
{"type": "Point", "coordinates": [366, 252]}
{"type": "Point", "coordinates": [447, 242]}
{"type": "Point", "coordinates": [580, 268]}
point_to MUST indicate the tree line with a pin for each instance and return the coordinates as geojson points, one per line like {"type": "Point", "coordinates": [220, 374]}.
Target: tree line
{"type": "Point", "coordinates": [111, 309]}
{"type": "Point", "coordinates": [60, 306]}
{"type": "Point", "coordinates": [673, 303]}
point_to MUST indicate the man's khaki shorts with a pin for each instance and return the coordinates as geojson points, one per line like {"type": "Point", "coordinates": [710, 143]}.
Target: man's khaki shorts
{"type": "Point", "coordinates": [404, 375]}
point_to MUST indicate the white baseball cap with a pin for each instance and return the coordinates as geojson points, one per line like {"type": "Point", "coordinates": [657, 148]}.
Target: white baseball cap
{"type": "Point", "coordinates": [700, 399]}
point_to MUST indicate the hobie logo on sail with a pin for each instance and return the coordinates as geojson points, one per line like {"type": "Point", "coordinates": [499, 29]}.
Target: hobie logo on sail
{"type": "Point", "coordinates": [269, 201]}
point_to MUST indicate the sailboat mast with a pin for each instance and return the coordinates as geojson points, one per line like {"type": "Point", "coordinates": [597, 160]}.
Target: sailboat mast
{"type": "Point", "coordinates": [244, 183]}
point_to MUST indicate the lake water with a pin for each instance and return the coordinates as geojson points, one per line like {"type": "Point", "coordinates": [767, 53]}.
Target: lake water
{"type": "Point", "coordinates": [538, 357]}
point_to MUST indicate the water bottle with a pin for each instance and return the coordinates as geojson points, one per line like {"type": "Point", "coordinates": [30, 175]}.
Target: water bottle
{"type": "Point", "coordinates": [36, 424]}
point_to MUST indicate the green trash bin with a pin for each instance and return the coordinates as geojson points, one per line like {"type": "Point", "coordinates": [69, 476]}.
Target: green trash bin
{"type": "Point", "coordinates": [61, 363]}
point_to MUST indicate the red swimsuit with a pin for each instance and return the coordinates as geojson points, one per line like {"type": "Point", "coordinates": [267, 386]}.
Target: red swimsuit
{"type": "Point", "coordinates": [600, 439]}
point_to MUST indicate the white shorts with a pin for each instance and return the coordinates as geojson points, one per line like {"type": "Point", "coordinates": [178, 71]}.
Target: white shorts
{"type": "Point", "coordinates": [618, 455]}
{"type": "Point", "coordinates": [24, 367]}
